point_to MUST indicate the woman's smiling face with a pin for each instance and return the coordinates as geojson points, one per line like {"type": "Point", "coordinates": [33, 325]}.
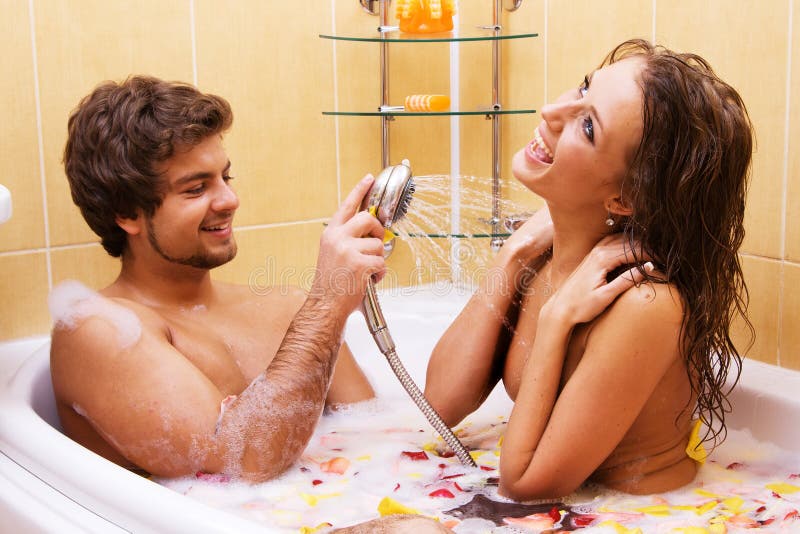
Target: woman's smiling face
{"type": "Point", "coordinates": [582, 149]}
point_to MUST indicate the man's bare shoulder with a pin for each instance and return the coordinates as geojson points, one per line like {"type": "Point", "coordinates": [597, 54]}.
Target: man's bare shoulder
{"type": "Point", "coordinates": [83, 319]}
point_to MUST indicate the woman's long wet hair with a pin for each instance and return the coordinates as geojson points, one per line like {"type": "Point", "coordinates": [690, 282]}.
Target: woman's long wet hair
{"type": "Point", "coordinates": [687, 186]}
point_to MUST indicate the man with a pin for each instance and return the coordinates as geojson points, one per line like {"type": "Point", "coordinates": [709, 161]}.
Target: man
{"type": "Point", "coordinates": [167, 370]}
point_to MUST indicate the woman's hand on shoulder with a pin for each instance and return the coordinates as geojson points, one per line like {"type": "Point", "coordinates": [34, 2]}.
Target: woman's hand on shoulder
{"type": "Point", "coordinates": [533, 238]}
{"type": "Point", "coordinates": [587, 291]}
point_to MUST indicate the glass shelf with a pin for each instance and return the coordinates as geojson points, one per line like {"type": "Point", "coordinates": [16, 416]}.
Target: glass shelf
{"type": "Point", "coordinates": [394, 113]}
{"type": "Point", "coordinates": [453, 236]}
{"type": "Point", "coordinates": [466, 33]}
{"type": "Point", "coordinates": [447, 235]}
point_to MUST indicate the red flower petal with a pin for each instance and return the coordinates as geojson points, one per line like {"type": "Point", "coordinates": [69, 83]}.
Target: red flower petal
{"type": "Point", "coordinates": [415, 455]}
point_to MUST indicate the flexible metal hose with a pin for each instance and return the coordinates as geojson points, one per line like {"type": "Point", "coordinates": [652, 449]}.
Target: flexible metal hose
{"type": "Point", "coordinates": [427, 410]}
{"type": "Point", "coordinates": [380, 333]}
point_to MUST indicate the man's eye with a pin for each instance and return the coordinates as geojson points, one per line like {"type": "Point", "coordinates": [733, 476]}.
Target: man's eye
{"type": "Point", "coordinates": [195, 190]}
{"type": "Point", "coordinates": [228, 178]}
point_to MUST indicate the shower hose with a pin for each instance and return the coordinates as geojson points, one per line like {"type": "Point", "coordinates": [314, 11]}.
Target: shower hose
{"type": "Point", "coordinates": [427, 410]}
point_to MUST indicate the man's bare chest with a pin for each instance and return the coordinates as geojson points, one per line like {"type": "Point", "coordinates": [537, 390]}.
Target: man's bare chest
{"type": "Point", "coordinates": [229, 353]}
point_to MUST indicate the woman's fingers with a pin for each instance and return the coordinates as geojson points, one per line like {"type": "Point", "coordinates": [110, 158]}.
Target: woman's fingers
{"type": "Point", "coordinates": [619, 250]}
{"type": "Point", "coordinates": [625, 281]}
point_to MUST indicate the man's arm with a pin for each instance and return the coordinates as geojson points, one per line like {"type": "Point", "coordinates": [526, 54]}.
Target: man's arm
{"type": "Point", "coordinates": [162, 413]}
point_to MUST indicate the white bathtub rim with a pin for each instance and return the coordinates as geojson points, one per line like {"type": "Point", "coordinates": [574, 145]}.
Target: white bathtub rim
{"type": "Point", "coordinates": [144, 507]}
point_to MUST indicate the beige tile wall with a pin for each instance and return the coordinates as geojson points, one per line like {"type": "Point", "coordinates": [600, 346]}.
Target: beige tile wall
{"type": "Point", "coordinates": [293, 165]}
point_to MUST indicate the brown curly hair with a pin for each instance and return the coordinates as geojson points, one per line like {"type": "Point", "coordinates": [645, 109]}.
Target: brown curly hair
{"type": "Point", "coordinates": [687, 187]}
{"type": "Point", "coordinates": [118, 135]}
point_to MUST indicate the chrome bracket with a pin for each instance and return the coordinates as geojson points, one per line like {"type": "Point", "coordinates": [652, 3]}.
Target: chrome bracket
{"type": "Point", "coordinates": [511, 5]}
{"type": "Point", "coordinates": [370, 6]}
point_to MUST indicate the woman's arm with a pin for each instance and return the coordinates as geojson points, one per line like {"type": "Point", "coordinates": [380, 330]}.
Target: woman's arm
{"type": "Point", "coordinates": [556, 440]}
{"type": "Point", "coordinates": [467, 361]}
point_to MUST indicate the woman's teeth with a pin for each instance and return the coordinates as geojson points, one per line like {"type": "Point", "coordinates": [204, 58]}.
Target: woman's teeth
{"type": "Point", "coordinates": [539, 142]}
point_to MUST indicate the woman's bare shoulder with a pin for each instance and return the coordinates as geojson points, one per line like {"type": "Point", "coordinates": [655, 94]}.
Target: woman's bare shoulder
{"type": "Point", "coordinates": [661, 300]}
{"type": "Point", "coordinates": [648, 316]}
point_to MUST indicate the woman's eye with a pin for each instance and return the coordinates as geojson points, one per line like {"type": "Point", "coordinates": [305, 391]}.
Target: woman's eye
{"type": "Point", "coordinates": [584, 87]}
{"type": "Point", "coordinates": [588, 129]}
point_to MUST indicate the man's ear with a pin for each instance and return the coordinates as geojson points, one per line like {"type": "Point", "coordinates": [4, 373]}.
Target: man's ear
{"type": "Point", "coordinates": [618, 206]}
{"type": "Point", "coordinates": [130, 226]}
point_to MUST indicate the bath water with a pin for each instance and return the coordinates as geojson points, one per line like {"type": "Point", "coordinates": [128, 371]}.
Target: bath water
{"type": "Point", "coordinates": [381, 457]}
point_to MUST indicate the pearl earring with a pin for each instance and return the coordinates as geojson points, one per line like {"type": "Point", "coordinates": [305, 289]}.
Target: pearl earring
{"type": "Point", "coordinates": [609, 220]}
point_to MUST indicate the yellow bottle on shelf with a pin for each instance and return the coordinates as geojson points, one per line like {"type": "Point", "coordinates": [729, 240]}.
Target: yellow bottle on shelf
{"type": "Point", "coordinates": [426, 16]}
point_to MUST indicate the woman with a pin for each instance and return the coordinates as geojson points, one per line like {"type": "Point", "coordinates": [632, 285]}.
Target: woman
{"type": "Point", "coordinates": [643, 169]}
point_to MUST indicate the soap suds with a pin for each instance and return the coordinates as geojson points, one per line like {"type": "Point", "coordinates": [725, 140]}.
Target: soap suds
{"type": "Point", "coordinates": [70, 302]}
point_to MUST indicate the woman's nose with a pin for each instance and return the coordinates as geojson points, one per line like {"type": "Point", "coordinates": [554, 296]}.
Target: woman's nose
{"type": "Point", "coordinates": [557, 113]}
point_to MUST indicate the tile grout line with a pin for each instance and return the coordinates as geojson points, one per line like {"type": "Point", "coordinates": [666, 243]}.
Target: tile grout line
{"type": "Point", "coordinates": [546, 48]}
{"type": "Point", "coordinates": [336, 108]}
{"type": "Point", "coordinates": [786, 133]}
{"type": "Point", "coordinates": [455, 153]}
{"type": "Point", "coordinates": [193, 35]}
{"type": "Point", "coordinates": [40, 140]}
{"type": "Point", "coordinates": [785, 180]}
{"type": "Point", "coordinates": [654, 17]}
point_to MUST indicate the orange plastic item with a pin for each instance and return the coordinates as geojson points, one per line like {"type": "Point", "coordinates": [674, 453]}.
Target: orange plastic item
{"type": "Point", "coordinates": [426, 16]}
{"type": "Point", "coordinates": [427, 103]}
{"type": "Point", "coordinates": [336, 465]}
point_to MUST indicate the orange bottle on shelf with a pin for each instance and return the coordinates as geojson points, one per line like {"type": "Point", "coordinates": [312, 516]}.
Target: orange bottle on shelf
{"type": "Point", "coordinates": [426, 16]}
{"type": "Point", "coordinates": [427, 103]}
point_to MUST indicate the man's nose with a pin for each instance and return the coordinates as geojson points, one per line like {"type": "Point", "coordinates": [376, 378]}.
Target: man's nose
{"type": "Point", "coordinates": [226, 198]}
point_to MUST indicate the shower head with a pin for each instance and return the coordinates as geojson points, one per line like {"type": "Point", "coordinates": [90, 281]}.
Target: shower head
{"type": "Point", "coordinates": [391, 193]}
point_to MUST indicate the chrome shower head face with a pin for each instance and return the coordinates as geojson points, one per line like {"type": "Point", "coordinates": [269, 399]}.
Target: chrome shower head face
{"type": "Point", "coordinates": [390, 195]}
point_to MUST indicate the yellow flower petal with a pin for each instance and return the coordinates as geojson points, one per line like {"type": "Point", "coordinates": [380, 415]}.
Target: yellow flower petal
{"type": "Point", "coordinates": [733, 504]}
{"type": "Point", "coordinates": [476, 454]}
{"type": "Point", "coordinates": [658, 509]}
{"type": "Point", "coordinates": [310, 499]}
{"type": "Point", "coordinates": [311, 530]}
{"type": "Point", "coordinates": [619, 528]}
{"type": "Point", "coordinates": [782, 487]}
{"type": "Point", "coordinates": [695, 449]}
{"type": "Point", "coordinates": [705, 493]}
{"type": "Point", "coordinates": [389, 506]}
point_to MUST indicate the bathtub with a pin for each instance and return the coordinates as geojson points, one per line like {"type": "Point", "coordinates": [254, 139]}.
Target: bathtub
{"type": "Point", "coordinates": [49, 483]}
